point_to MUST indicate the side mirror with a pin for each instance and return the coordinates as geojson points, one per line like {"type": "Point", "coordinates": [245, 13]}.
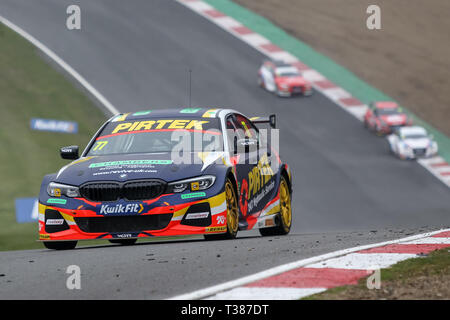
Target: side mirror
{"type": "Point", "coordinates": [70, 152]}
{"type": "Point", "coordinates": [273, 121]}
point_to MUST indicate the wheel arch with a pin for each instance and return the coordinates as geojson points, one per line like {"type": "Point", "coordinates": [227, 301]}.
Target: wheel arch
{"type": "Point", "coordinates": [285, 172]}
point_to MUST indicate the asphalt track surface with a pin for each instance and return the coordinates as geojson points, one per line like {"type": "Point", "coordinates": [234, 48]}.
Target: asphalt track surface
{"type": "Point", "coordinates": [348, 190]}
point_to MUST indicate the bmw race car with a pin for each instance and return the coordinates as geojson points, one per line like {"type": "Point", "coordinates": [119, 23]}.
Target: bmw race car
{"type": "Point", "coordinates": [384, 117]}
{"type": "Point", "coordinates": [172, 172]}
{"type": "Point", "coordinates": [283, 79]}
{"type": "Point", "coordinates": [412, 143]}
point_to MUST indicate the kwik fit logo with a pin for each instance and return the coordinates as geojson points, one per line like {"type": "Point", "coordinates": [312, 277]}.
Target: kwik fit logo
{"type": "Point", "coordinates": [121, 208]}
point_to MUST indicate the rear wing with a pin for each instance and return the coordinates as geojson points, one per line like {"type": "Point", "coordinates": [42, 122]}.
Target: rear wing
{"type": "Point", "coordinates": [272, 120]}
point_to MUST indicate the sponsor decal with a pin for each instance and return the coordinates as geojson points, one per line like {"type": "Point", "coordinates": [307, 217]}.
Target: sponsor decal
{"type": "Point", "coordinates": [220, 219]}
{"type": "Point", "coordinates": [243, 199]}
{"type": "Point", "coordinates": [44, 236]}
{"type": "Point", "coordinates": [120, 117]}
{"type": "Point", "coordinates": [124, 235]}
{"type": "Point", "coordinates": [54, 222]}
{"type": "Point", "coordinates": [195, 186]}
{"type": "Point", "coordinates": [57, 201]}
{"type": "Point", "coordinates": [256, 199]}
{"type": "Point", "coordinates": [259, 176]}
{"type": "Point", "coordinates": [137, 126]}
{"type": "Point", "coordinates": [216, 229]}
{"type": "Point", "coordinates": [141, 113]}
{"type": "Point", "coordinates": [107, 209]}
{"type": "Point", "coordinates": [269, 223]}
{"type": "Point", "coordinates": [54, 125]}
{"type": "Point", "coordinates": [190, 110]}
{"type": "Point", "coordinates": [211, 113]}
{"type": "Point", "coordinates": [193, 195]}
{"type": "Point", "coordinates": [99, 145]}
{"type": "Point", "coordinates": [197, 215]}
{"type": "Point", "coordinates": [128, 162]}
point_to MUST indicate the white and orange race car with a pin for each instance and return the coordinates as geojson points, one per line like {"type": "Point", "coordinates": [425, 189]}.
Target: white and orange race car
{"type": "Point", "coordinates": [130, 182]}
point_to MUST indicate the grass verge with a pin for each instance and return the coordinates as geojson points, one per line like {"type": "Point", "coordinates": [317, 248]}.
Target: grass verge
{"type": "Point", "coordinates": [421, 278]}
{"type": "Point", "coordinates": [30, 88]}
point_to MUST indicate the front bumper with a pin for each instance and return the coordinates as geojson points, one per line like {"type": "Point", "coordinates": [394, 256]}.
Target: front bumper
{"type": "Point", "coordinates": [419, 153]}
{"type": "Point", "coordinates": [294, 90]}
{"type": "Point", "coordinates": [167, 215]}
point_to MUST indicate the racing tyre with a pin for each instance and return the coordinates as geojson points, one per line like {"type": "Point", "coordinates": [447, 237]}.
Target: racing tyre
{"type": "Point", "coordinates": [261, 82]}
{"type": "Point", "coordinates": [232, 215]}
{"type": "Point", "coordinates": [60, 245]}
{"type": "Point", "coordinates": [124, 242]}
{"type": "Point", "coordinates": [285, 215]}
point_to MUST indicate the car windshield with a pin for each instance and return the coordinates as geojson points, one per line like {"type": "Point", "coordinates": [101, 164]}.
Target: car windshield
{"type": "Point", "coordinates": [287, 72]}
{"type": "Point", "coordinates": [414, 136]}
{"type": "Point", "coordinates": [158, 135]}
{"type": "Point", "coordinates": [387, 111]}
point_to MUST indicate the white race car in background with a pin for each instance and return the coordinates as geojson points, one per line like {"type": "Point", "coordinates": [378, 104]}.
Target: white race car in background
{"type": "Point", "coordinates": [411, 143]}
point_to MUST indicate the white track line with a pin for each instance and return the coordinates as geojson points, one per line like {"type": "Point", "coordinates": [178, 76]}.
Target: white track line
{"type": "Point", "coordinates": [108, 105]}
{"type": "Point", "coordinates": [210, 291]}
{"type": "Point", "coordinates": [258, 293]}
{"type": "Point", "coordinates": [363, 261]}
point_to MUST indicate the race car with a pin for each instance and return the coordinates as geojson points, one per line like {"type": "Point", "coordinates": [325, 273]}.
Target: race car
{"type": "Point", "coordinates": [384, 117]}
{"type": "Point", "coordinates": [191, 171]}
{"type": "Point", "coordinates": [412, 143]}
{"type": "Point", "coordinates": [283, 79]}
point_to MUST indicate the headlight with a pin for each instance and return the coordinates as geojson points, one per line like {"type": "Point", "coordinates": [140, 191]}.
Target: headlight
{"type": "Point", "coordinates": [284, 86]}
{"type": "Point", "coordinates": [193, 184]}
{"type": "Point", "coordinates": [434, 146]}
{"type": "Point", "coordinates": [383, 123]}
{"type": "Point", "coordinates": [57, 190]}
{"type": "Point", "coordinates": [405, 147]}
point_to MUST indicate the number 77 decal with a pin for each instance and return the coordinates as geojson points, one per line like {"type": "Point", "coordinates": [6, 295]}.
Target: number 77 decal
{"type": "Point", "coordinates": [100, 145]}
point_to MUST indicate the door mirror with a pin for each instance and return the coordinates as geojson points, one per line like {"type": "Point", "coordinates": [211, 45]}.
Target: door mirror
{"type": "Point", "coordinates": [70, 152]}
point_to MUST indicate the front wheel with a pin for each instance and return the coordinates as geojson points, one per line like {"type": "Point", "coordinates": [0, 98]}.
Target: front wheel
{"type": "Point", "coordinates": [285, 215]}
{"type": "Point", "coordinates": [232, 215]}
{"type": "Point", "coordinates": [261, 82]}
{"type": "Point", "coordinates": [60, 245]}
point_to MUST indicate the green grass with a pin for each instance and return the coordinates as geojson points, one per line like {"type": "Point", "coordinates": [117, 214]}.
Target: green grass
{"type": "Point", "coordinates": [417, 271]}
{"type": "Point", "coordinates": [31, 88]}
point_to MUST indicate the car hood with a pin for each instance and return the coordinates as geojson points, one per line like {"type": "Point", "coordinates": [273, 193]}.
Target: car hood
{"type": "Point", "coordinates": [394, 119]}
{"type": "Point", "coordinates": [292, 81]}
{"type": "Point", "coordinates": [417, 143]}
{"type": "Point", "coordinates": [134, 166]}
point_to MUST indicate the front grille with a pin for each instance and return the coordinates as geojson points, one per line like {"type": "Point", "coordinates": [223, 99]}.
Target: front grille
{"type": "Point", "coordinates": [420, 152]}
{"type": "Point", "coordinates": [395, 127]}
{"type": "Point", "coordinates": [100, 191]}
{"type": "Point", "coordinates": [143, 190]}
{"type": "Point", "coordinates": [296, 89]}
{"type": "Point", "coordinates": [112, 191]}
{"type": "Point", "coordinates": [124, 223]}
